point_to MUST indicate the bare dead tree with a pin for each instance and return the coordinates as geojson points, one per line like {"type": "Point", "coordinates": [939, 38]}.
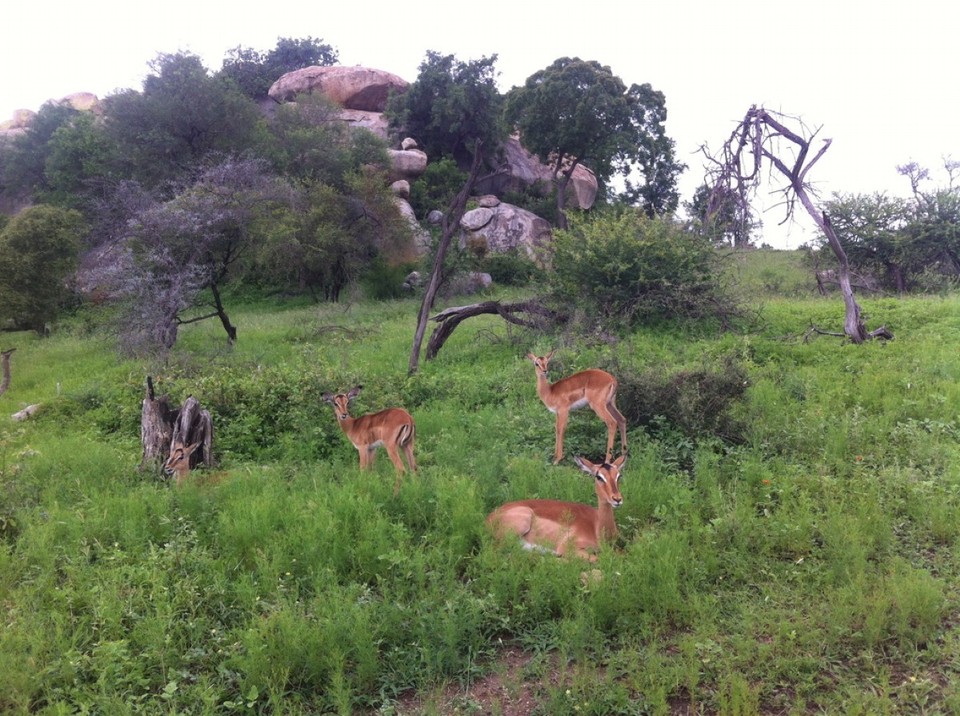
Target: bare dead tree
{"type": "Point", "coordinates": [758, 142]}
{"type": "Point", "coordinates": [450, 226]}
{"type": "Point", "coordinates": [5, 365]}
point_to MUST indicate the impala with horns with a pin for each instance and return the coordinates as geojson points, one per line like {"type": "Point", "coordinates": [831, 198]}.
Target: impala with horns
{"type": "Point", "coordinates": [566, 527]}
{"type": "Point", "coordinates": [393, 428]}
{"type": "Point", "coordinates": [593, 387]}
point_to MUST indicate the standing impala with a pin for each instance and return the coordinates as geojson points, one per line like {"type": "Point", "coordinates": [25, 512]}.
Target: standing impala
{"type": "Point", "coordinates": [561, 527]}
{"type": "Point", "coordinates": [592, 387]}
{"type": "Point", "coordinates": [393, 428]}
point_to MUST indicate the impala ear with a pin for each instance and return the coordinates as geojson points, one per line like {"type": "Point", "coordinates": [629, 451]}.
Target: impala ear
{"type": "Point", "coordinates": [586, 465]}
{"type": "Point", "coordinates": [532, 357]}
{"type": "Point", "coordinates": [620, 461]}
{"type": "Point", "coordinates": [354, 392]}
{"type": "Point", "coordinates": [327, 397]}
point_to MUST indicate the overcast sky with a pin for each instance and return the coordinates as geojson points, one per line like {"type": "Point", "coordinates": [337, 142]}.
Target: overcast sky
{"type": "Point", "coordinates": [879, 78]}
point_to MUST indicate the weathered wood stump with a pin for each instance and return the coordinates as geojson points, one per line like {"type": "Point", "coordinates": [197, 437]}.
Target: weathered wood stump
{"type": "Point", "coordinates": [162, 426]}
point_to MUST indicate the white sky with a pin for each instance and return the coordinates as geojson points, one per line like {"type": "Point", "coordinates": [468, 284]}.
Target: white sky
{"type": "Point", "coordinates": [880, 78]}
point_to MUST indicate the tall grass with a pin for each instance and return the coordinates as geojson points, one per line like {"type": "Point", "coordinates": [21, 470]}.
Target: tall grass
{"type": "Point", "coordinates": [808, 566]}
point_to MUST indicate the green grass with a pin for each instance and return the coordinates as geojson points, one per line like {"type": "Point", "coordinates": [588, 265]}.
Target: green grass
{"type": "Point", "coordinates": [809, 567]}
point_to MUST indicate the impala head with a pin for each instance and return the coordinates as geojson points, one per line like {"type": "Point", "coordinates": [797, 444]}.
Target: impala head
{"type": "Point", "coordinates": [541, 363]}
{"type": "Point", "coordinates": [179, 461]}
{"type": "Point", "coordinates": [606, 478]}
{"type": "Point", "coordinates": [341, 402]}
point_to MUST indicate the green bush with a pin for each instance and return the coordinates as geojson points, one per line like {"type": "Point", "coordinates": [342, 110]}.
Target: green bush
{"type": "Point", "coordinates": [629, 268]}
{"type": "Point", "coordinates": [436, 187]}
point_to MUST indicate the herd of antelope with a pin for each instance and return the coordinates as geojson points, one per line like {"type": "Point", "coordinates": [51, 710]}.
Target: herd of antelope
{"type": "Point", "coordinates": [546, 525]}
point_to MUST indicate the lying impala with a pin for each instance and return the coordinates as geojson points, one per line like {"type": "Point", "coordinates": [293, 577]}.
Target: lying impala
{"type": "Point", "coordinates": [393, 428]}
{"type": "Point", "coordinates": [178, 463]}
{"type": "Point", "coordinates": [562, 527]}
{"type": "Point", "coordinates": [592, 387]}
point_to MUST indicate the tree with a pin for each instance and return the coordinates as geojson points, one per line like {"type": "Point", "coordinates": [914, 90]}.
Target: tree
{"type": "Point", "coordinates": [652, 156]}
{"type": "Point", "coordinates": [758, 141]}
{"type": "Point", "coordinates": [871, 230]}
{"type": "Point", "coordinates": [335, 235]}
{"type": "Point", "coordinates": [254, 72]}
{"type": "Point", "coordinates": [308, 143]}
{"type": "Point", "coordinates": [449, 227]}
{"type": "Point", "coordinates": [181, 116]}
{"type": "Point", "coordinates": [191, 246]}
{"type": "Point", "coordinates": [450, 105]}
{"type": "Point", "coordinates": [578, 112]}
{"type": "Point", "coordinates": [722, 223]}
{"type": "Point", "coordinates": [25, 161]}
{"type": "Point", "coordinates": [39, 248]}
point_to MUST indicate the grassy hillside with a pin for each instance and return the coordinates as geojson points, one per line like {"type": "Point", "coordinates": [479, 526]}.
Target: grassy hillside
{"type": "Point", "coordinates": [789, 536]}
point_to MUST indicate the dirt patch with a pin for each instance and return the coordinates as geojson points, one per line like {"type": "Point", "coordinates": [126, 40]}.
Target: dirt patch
{"type": "Point", "coordinates": [504, 691]}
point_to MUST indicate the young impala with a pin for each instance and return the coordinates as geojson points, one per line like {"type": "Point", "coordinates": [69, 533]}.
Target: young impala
{"type": "Point", "coordinates": [562, 527]}
{"type": "Point", "coordinates": [179, 461]}
{"type": "Point", "coordinates": [393, 428]}
{"type": "Point", "coordinates": [592, 387]}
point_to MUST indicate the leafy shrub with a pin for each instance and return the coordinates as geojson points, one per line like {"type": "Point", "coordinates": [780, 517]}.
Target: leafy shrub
{"type": "Point", "coordinates": [697, 403]}
{"type": "Point", "coordinates": [510, 269]}
{"type": "Point", "coordinates": [384, 281]}
{"type": "Point", "coordinates": [633, 269]}
{"type": "Point", "coordinates": [436, 187]}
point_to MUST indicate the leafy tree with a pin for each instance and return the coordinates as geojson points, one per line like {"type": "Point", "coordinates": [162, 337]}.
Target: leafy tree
{"type": "Point", "coordinates": [24, 162]}
{"type": "Point", "coordinates": [627, 267]}
{"type": "Point", "coordinates": [871, 230]}
{"type": "Point", "coordinates": [254, 72]}
{"type": "Point", "coordinates": [450, 106]}
{"type": "Point", "coordinates": [723, 224]}
{"type": "Point", "coordinates": [80, 164]}
{"type": "Point", "coordinates": [307, 142]}
{"type": "Point", "coordinates": [181, 116]}
{"type": "Point", "coordinates": [337, 235]}
{"type": "Point", "coordinates": [39, 248]}
{"type": "Point", "coordinates": [578, 112]}
{"type": "Point", "coordinates": [653, 155]}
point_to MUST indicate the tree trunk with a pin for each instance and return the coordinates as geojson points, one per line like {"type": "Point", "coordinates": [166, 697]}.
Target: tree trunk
{"type": "Point", "coordinates": [5, 365]}
{"type": "Point", "coordinates": [451, 224]}
{"type": "Point", "coordinates": [222, 315]}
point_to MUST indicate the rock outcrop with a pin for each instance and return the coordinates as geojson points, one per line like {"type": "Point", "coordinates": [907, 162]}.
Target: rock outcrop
{"type": "Point", "coordinates": [360, 88]}
{"type": "Point", "coordinates": [519, 169]}
{"type": "Point", "coordinates": [498, 227]}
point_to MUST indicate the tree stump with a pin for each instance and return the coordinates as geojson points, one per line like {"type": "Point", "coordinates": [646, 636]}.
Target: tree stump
{"type": "Point", "coordinates": [162, 425]}
{"type": "Point", "coordinates": [5, 367]}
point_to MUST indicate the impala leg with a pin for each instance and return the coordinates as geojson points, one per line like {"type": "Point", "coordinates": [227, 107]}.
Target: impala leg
{"type": "Point", "coordinates": [562, 416]}
{"type": "Point", "coordinates": [394, 454]}
{"type": "Point", "coordinates": [621, 421]}
{"type": "Point", "coordinates": [408, 451]}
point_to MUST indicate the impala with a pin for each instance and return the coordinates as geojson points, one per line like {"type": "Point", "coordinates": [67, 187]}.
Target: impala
{"type": "Point", "coordinates": [592, 387]}
{"type": "Point", "coordinates": [393, 428]}
{"type": "Point", "coordinates": [562, 527]}
{"type": "Point", "coordinates": [179, 461]}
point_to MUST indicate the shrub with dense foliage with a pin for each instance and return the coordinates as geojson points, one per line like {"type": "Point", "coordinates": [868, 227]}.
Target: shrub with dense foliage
{"type": "Point", "coordinates": [38, 252]}
{"type": "Point", "coordinates": [629, 268]}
